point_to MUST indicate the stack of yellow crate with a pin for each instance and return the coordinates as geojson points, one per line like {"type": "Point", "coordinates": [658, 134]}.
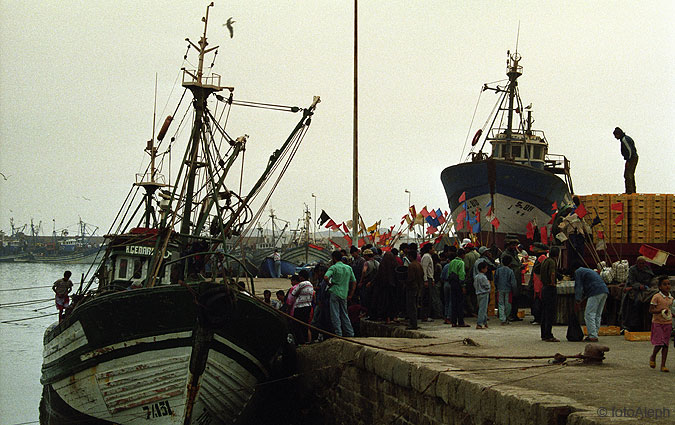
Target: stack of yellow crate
{"type": "Point", "coordinates": [670, 217]}
{"type": "Point", "coordinates": [647, 218]}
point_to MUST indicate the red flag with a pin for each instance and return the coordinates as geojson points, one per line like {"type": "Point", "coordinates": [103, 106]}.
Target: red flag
{"type": "Point", "coordinates": [438, 239]}
{"type": "Point", "coordinates": [555, 205]}
{"type": "Point", "coordinates": [617, 206]}
{"type": "Point", "coordinates": [413, 211]}
{"type": "Point", "coordinates": [361, 242]}
{"type": "Point", "coordinates": [336, 245]}
{"type": "Point", "coordinates": [330, 224]}
{"type": "Point", "coordinates": [431, 230]}
{"type": "Point", "coordinates": [335, 227]}
{"type": "Point", "coordinates": [462, 197]}
{"type": "Point", "coordinates": [320, 248]}
{"type": "Point", "coordinates": [552, 217]}
{"type": "Point", "coordinates": [432, 213]}
{"type": "Point", "coordinates": [461, 217]}
{"type": "Point", "coordinates": [530, 231]}
{"type": "Point", "coordinates": [618, 218]}
{"type": "Point", "coordinates": [495, 222]}
{"type": "Point", "coordinates": [459, 225]}
{"type": "Point", "coordinates": [654, 255]}
{"type": "Point", "coordinates": [581, 211]}
{"type": "Point", "coordinates": [601, 234]}
{"type": "Point", "coordinates": [544, 234]}
{"type": "Point", "coordinates": [348, 239]}
{"type": "Point", "coordinates": [648, 251]}
{"type": "Point", "coordinates": [344, 227]}
{"type": "Point", "coordinates": [440, 219]}
{"type": "Point", "coordinates": [424, 212]}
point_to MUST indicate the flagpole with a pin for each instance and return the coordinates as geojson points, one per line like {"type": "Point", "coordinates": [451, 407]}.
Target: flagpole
{"type": "Point", "coordinates": [355, 206]}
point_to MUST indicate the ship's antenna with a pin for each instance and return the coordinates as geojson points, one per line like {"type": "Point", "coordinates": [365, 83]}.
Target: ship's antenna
{"type": "Point", "coordinates": [517, 37]}
{"type": "Point", "coordinates": [152, 148]}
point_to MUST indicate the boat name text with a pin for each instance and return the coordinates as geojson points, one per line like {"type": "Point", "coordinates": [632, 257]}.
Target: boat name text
{"type": "Point", "coordinates": [140, 250]}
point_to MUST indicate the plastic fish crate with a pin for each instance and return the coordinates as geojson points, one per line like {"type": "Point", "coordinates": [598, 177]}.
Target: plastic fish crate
{"type": "Point", "coordinates": [637, 336]}
{"type": "Point", "coordinates": [605, 330]}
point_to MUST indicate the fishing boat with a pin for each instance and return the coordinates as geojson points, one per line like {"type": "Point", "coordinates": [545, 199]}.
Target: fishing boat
{"type": "Point", "coordinates": [517, 181]}
{"type": "Point", "coordinates": [162, 331]}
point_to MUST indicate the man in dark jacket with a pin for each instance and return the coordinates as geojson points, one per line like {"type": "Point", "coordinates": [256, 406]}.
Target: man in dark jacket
{"type": "Point", "coordinates": [630, 155]}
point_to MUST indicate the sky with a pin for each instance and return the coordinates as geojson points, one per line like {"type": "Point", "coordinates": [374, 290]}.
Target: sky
{"type": "Point", "coordinates": [77, 90]}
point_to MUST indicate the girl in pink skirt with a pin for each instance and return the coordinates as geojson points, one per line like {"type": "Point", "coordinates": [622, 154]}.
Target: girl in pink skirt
{"type": "Point", "coordinates": [662, 322]}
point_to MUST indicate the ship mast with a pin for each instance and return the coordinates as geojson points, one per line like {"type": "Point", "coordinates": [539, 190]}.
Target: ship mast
{"type": "Point", "coordinates": [513, 72]}
{"type": "Point", "coordinates": [201, 89]}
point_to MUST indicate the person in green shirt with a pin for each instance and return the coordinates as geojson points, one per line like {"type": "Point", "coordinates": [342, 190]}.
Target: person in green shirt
{"type": "Point", "coordinates": [454, 273]}
{"type": "Point", "coordinates": [341, 285]}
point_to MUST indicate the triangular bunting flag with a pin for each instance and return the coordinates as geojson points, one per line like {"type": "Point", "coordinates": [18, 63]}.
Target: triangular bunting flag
{"type": "Point", "coordinates": [330, 224]}
{"type": "Point", "coordinates": [462, 197]}
{"type": "Point", "coordinates": [495, 222]}
{"type": "Point", "coordinates": [322, 218]}
{"type": "Point", "coordinates": [618, 206]}
{"type": "Point", "coordinates": [618, 218]}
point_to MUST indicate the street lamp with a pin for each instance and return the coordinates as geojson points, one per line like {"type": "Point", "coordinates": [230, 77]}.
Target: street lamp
{"type": "Point", "coordinates": [408, 192]}
{"type": "Point", "coordinates": [315, 218]}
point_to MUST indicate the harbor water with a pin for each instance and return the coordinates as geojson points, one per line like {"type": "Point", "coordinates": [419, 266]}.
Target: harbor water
{"type": "Point", "coordinates": [21, 341]}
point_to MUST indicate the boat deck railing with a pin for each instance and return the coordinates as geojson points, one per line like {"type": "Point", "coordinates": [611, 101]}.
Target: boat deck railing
{"type": "Point", "coordinates": [190, 79]}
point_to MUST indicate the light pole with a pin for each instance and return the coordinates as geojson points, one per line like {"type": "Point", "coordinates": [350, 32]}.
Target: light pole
{"type": "Point", "coordinates": [315, 218]}
{"type": "Point", "coordinates": [408, 192]}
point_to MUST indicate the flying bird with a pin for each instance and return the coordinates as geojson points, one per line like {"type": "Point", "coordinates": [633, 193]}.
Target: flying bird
{"type": "Point", "coordinates": [3, 176]}
{"type": "Point", "coordinates": [85, 198]}
{"type": "Point", "coordinates": [229, 26]}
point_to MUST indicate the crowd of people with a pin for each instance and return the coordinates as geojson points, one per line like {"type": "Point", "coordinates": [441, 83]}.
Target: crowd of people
{"type": "Point", "coordinates": [412, 284]}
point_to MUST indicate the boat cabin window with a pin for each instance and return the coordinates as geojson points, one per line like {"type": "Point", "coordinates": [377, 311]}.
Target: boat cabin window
{"type": "Point", "coordinates": [537, 152]}
{"type": "Point", "coordinates": [138, 268]}
{"type": "Point", "coordinates": [122, 268]}
{"type": "Point", "coordinates": [516, 151]}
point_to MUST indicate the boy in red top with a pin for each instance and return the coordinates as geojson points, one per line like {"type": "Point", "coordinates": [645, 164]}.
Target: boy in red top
{"type": "Point", "coordinates": [662, 322]}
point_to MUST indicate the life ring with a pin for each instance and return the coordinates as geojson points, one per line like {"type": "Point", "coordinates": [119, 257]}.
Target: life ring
{"type": "Point", "coordinates": [476, 138]}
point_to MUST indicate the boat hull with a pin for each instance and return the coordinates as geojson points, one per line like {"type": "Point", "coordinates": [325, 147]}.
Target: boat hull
{"type": "Point", "coordinates": [519, 194]}
{"type": "Point", "coordinates": [126, 357]}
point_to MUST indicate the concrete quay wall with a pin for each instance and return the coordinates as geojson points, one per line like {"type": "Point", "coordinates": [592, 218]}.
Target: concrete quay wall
{"type": "Point", "coordinates": [373, 386]}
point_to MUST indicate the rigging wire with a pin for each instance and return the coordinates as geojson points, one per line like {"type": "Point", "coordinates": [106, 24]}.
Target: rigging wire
{"type": "Point", "coordinates": [471, 125]}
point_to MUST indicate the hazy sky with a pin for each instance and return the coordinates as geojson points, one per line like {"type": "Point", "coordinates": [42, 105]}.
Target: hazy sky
{"type": "Point", "coordinates": [77, 91]}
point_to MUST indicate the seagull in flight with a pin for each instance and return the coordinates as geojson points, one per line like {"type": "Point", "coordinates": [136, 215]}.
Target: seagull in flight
{"type": "Point", "coordinates": [85, 198]}
{"type": "Point", "coordinates": [4, 177]}
{"type": "Point", "coordinates": [229, 26]}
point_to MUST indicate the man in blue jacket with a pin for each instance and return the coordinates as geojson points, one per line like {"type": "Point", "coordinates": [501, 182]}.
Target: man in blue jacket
{"type": "Point", "coordinates": [588, 284]}
{"type": "Point", "coordinates": [630, 155]}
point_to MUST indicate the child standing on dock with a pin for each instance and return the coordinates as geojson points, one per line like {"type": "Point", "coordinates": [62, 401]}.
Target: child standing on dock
{"type": "Point", "coordinates": [662, 322]}
{"type": "Point", "coordinates": [482, 285]}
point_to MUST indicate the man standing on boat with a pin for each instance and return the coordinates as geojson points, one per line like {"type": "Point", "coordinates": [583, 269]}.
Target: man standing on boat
{"type": "Point", "coordinates": [62, 288]}
{"type": "Point", "coordinates": [630, 155]}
